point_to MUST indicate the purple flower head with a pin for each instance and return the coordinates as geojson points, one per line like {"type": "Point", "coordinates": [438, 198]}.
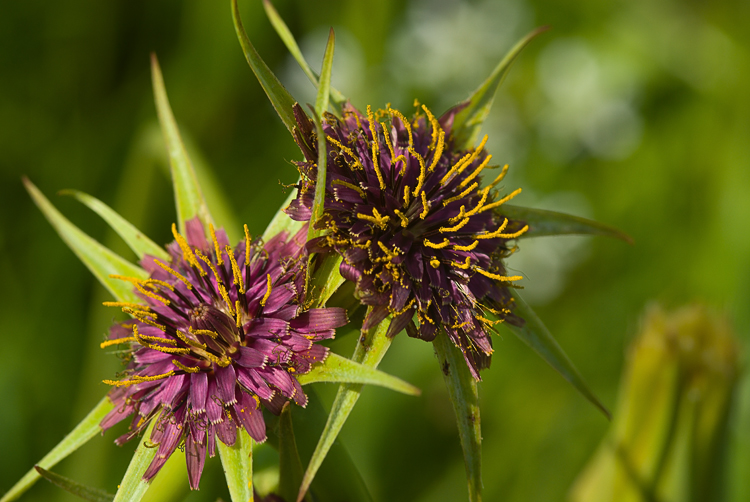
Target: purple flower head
{"type": "Point", "coordinates": [220, 333]}
{"type": "Point", "coordinates": [417, 230]}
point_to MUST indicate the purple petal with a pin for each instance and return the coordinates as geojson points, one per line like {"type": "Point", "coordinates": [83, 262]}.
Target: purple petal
{"type": "Point", "coordinates": [225, 384]}
{"type": "Point", "coordinates": [253, 383]}
{"type": "Point", "coordinates": [195, 234]}
{"type": "Point", "coordinates": [226, 430]}
{"type": "Point", "coordinates": [399, 323]}
{"type": "Point", "coordinates": [376, 315]}
{"type": "Point", "coordinates": [213, 406]}
{"type": "Point", "coordinates": [195, 456]}
{"type": "Point", "coordinates": [251, 417]}
{"type": "Point", "coordinates": [266, 327]}
{"type": "Point", "coordinates": [251, 358]}
{"type": "Point", "coordinates": [320, 319]}
{"type": "Point", "coordinates": [279, 379]}
{"type": "Point", "coordinates": [173, 429]}
{"type": "Point", "coordinates": [198, 391]}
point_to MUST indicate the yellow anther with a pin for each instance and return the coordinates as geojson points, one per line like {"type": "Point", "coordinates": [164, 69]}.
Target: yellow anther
{"type": "Point", "coordinates": [210, 264]}
{"type": "Point", "coordinates": [126, 304]}
{"type": "Point", "coordinates": [465, 161]}
{"type": "Point", "coordinates": [461, 214]}
{"type": "Point", "coordinates": [187, 253]}
{"type": "Point", "coordinates": [117, 341]}
{"type": "Point", "coordinates": [181, 335]}
{"type": "Point", "coordinates": [160, 283]}
{"type": "Point", "coordinates": [390, 254]}
{"type": "Point", "coordinates": [466, 264]}
{"type": "Point", "coordinates": [476, 171]}
{"type": "Point", "coordinates": [247, 246]}
{"type": "Point", "coordinates": [406, 307]}
{"type": "Point", "coordinates": [405, 122]}
{"type": "Point", "coordinates": [501, 201]}
{"type": "Point", "coordinates": [435, 263]}
{"type": "Point", "coordinates": [347, 150]}
{"type": "Point", "coordinates": [487, 321]}
{"type": "Point", "coordinates": [138, 379]}
{"type": "Point", "coordinates": [496, 233]}
{"type": "Point", "coordinates": [461, 195]}
{"type": "Point", "coordinates": [387, 136]}
{"type": "Point", "coordinates": [485, 192]}
{"type": "Point", "coordinates": [438, 151]}
{"type": "Point", "coordinates": [179, 276]}
{"type": "Point", "coordinates": [144, 339]}
{"type": "Point", "coordinates": [219, 259]}
{"type": "Point", "coordinates": [238, 313]}
{"type": "Point", "coordinates": [366, 245]}
{"type": "Point", "coordinates": [376, 218]}
{"type": "Point", "coordinates": [434, 122]}
{"type": "Point", "coordinates": [236, 271]}
{"type": "Point", "coordinates": [225, 297]}
{"type": "Point", "coordinates": [407, 193]}
{"type": "Point", "coordinates": [459, 326]}
{"type": "Point", "coordinates": [150, 294]}
{"type": "Point", "coordinates": [499, 177]}
{"type": "Point", "coordinates": [422, 170]}
{"type": "Point", "coordinates": [375, 147]}
{"type": "Point", "coordinates": [404, 219]}
{"type": "Point", "coordinates": [269, 285]}
{"type": "Point", "coordinates": [456, 228]}
{"type": "Point", "coordinates": [432, 245]}
{"type": "Point", "coordinates": [470, 247]}
{"type": "Point", "coordinates": [186, 369]}
{"type": "Point", "coordinates": [425, 207]}
{"type": "Point", "coordinates": [349, 185]}
{"type": "Point", "coordinates": [504, 278]}
{"type": "Point", "coordinates": [205, 332]}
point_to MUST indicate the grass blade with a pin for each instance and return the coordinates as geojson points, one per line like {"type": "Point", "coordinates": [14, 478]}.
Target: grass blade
{"type": "Point", "coordinates": [337, 369]}
{"type": "Point", "coordinates": [134, 238]}
{"type": "Point", "coordinates": [98, 259]}
{"type": "Point", "coordinates": [326, 278]}
{"type": "Point", "coordinates": [542, 223]}
{"type": "Point", "coordinates": [80, 435]}
{"type": "Point", "coordinates": [290, 465]}
{"type": "Point", "coordinates": [462, 390]}
{"type": "Point", "coordinates": [77, 489]}
{"type": "Point", "coordinates": [237, 461]}
{"type": "Point", "coordinates": [369, 351]}
{"type": "Point", "coordinates": [291, 44]}
{"type": "Point", "coordinates": [280, 98]}
{"type": "Point", "coordinates": [281, 222]}
{"type": "Point", "coordinates": [468, 121]}
{"type": "Point", "coordinates": [324, 86]}
{"type": "Point", "coordinates": [187, 192]}
{"type": "Point", "coordinates": [536, 335]}
{"type": "Point", "coordinates": [133, 486]}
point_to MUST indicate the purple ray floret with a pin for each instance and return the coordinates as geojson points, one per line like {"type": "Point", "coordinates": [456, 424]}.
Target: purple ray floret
{"type": "Point", "coordinates": [418, 232]}
{"type": "Point", "coordinates": [219, 334]}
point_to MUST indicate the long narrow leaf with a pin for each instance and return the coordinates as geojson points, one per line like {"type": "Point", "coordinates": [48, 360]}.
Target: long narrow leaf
{"type": "Point", "coordinates": [134, 238]}
{"type": "Point", "coordinates": [320, 191]}
{"type": "Point", "coordinates": [369, 351]}
{"type": "Point", "coordinates": [237, 461]}
{"type": "Point", "coordinates": [291, 44]}
{"type": "Point", "coordinates": [536, 335]}
{"type": "Point", "coordinates": [133, 486]}
{"type": "Point", "coordinates": [98, 259]}
{"type": "Point", "coordinates": [324, 86]}
{"type": "Point", "coordinates": [74, 487]}
{"type": "Point", "coordinates": [187, 191]}
{"type": "Point", "coordinates": [326, 279]}
{"type": "Point", "coordinates": [290, 466]}
{"type": "Point", "coordinates": [339, 369]}
{"type": "Point", "coordinates": [80, 435]}
{"type": "Point", "coordinates": [542, 222]}
{"type": "Point", "coordinates": [462, 390]}
{"type": "Point", "coordinates": [468, 121]}
{"type": "Point", "coordinates": [280, 98]}
{"type": "Point", "coordinates": [338, 479]}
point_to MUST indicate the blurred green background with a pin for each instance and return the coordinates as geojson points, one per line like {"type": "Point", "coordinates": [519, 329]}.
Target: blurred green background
{"type": "Point", "coordinates": [631, 112]}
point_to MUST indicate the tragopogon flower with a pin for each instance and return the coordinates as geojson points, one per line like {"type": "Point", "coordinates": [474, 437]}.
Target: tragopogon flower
{"type": "Point", "coordinates": [220, 332]}
{"type": "Point", "coordinates": [417, 231]}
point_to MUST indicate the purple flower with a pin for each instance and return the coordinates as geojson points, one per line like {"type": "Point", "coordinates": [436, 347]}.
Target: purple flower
{"type": "Point", "coordinates": [418, 232]}
{"type": "Point", "coordinates": [220, 332]}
